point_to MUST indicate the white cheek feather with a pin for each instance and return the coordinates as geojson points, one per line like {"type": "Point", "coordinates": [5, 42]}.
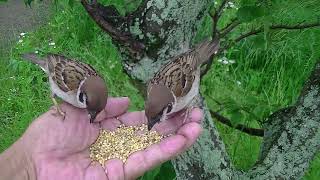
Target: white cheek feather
{"type": "Point", "coordinates": [69, 97]}
{"type": "Point", "coordinates": [164, 115]}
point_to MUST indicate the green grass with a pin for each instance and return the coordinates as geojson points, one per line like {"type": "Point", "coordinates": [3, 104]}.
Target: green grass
{"type": "Point", "coordinates": [270, 78]}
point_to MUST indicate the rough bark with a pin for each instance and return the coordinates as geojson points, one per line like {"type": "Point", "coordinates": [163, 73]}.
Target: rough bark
{"type": "Point", "coordinates": [292, 136]}
{"type": "Point", "coordinates": [207, 158]}
{"type": "Point", "coordinates": [166, 28]}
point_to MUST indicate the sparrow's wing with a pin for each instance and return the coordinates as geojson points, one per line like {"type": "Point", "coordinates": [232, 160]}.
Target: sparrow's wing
{"type": "Point", "coordinates": [177, 75]}
{"type": "Point", "coordinates": [201, 52]}
{"type": "Point", "coordinates": [36, 60]}
{"type": "Point", "coordinates": [68, 73]}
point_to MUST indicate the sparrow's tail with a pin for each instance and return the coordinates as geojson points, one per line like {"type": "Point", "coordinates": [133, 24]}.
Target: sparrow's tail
{"type": "Point", "coordinates": [205, 50]}
{"type": "Point", "coordinates": [35, 59]}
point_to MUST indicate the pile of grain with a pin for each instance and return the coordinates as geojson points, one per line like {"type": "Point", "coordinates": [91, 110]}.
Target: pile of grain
{"type": "Point", "coordinates": [122, 142]}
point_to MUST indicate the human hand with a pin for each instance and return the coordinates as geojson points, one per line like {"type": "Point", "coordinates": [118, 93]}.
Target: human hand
{"type": "Point", "coordinates": [183, 136]}
{"type": "Point", "coordinates": [60, 149]}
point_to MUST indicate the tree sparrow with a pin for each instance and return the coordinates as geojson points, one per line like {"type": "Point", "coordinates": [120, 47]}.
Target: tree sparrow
{"type": "Point", "coordinates": [74, 82]}
{"type": "Point", "coordinates": [174, 86]}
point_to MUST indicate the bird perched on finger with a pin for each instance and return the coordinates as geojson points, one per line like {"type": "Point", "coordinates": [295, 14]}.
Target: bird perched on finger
{"type": "Point", "coordinates": [174, 86]}
{"type": "Point", "coordinates": [74, 82]}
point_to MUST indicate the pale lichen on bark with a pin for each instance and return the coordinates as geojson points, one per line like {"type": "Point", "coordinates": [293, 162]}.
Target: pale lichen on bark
{"type": "Point", "coordinates": [207, 158]}
{"type": "Point", "coordinates": [162, 22]}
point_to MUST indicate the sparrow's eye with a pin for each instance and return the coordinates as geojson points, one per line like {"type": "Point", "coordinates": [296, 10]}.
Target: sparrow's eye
{"type": "Point", "coordinates": [169, 107]}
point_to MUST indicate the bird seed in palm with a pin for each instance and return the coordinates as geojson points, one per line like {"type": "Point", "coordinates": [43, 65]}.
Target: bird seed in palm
{"type": "Point", "coordinates": [122, 142]}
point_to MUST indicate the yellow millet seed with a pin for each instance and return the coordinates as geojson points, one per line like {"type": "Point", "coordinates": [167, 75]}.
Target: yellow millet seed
{"type": "Point", "coordinates": [122, 142]}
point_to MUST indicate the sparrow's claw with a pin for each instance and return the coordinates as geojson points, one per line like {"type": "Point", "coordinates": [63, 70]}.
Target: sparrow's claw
{"type": "Point", "coordinates": [187, 114]}
{"type": "Point", "coordinates": [63, 114]}
{"type": "Point", "coordinates": [58, 109]}
{"type": "Point", "coordinates": [59, 112]}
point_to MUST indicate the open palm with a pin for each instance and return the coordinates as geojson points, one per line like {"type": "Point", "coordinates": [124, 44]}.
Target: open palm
{"type": "Point", "coordinates": [60, 149]}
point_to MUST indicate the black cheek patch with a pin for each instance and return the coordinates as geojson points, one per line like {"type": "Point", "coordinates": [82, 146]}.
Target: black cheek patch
{"type": "Point", "coordinates": [81, 97]}
{"type": "Point", "coordinates": [169, 108]}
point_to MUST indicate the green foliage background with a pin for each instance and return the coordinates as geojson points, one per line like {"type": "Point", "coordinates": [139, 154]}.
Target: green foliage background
{"type": "Point", "coordinates": [267, 75]}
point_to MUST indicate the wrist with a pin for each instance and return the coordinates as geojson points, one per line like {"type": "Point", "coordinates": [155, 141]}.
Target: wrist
{"type": "Point", "coordinates": [16, 162]}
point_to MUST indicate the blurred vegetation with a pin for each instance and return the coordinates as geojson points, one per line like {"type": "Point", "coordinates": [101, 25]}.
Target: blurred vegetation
{"type": "Point", "coordinates": [252, 79]}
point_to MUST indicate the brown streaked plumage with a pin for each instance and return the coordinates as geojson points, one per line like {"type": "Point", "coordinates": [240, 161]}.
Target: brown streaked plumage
{"type": "Point", "coordinates": [180, 78]}
{"type": "Point", "coordinates": [74, 82]}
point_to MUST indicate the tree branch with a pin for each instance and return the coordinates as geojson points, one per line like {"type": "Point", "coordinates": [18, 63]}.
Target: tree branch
{"type": "Point", "coordinates": [208, 65]}
{"type": "Point", "coordinates": [231, 26]}
{"type": "Point", "coordinates": [250, 33]}
{"type": "Point", "coordinates": [216, 17]}
{"type": "Point", "coordinates": [294, 27]}
{"type": "Point", "coordinates": [277, 27]}
{"type": "Point", "coordinates": [273, 27]}
{"type": "Point", "coordinates": [215, 34]}
{"type": "Point", "coordinates": [105, 18]}
{"type": "Point", "coordinates": [240, 127]}
{"type": "Point", "coordinates": [220, 34]}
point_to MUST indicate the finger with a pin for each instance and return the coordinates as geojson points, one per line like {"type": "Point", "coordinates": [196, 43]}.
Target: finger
{"type": "Point", "coordinates": [133, 118]}
{"type": "Point", "coordinates": [114, 107]}
{"type": "Point", "coordinates": [111, 124]}
{"type": "Point", "coordinates": [142, 161]}
{"type": "Point", "coordinates": [95, 172]}
{"type": "Point", "coordinates": [114, 169]}
{"type": "Point", "coordinates": [191, 132]}
{"type": "Point", "coordinates": [196, 115]}
{"type": "Point", "coordinates": [171, 125]}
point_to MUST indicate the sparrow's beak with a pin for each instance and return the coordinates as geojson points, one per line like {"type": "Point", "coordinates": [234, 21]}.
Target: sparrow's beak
{"type": "Point", "coordinates": [153, 121]}
{"type": "Point", "coordinates": [93, 115]}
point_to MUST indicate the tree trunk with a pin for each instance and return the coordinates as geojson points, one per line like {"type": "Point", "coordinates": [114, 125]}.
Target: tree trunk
{"type": "Point", "coordinates": [161, 29]}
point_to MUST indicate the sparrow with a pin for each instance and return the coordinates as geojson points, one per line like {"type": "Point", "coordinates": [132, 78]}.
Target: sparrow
{"type": "Point", "coordinates": [174, 86]}
{"type": "Point", "coordinates": [74, 82]}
